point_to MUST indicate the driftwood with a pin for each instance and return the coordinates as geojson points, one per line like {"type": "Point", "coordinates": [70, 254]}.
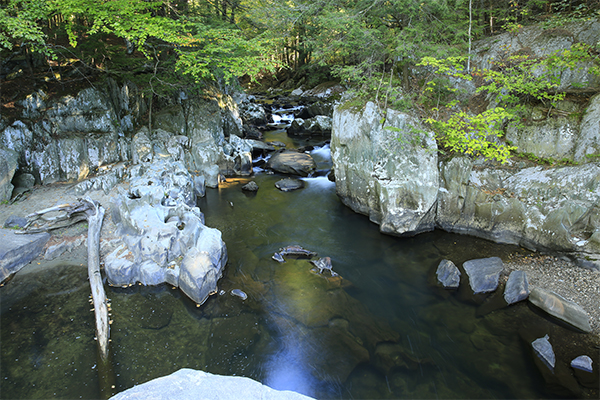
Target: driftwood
{"type": "Point", "coordinates": [68, 214]}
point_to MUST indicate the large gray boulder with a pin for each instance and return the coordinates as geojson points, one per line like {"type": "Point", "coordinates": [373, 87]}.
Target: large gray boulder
{"type": "Point", "coordinates": [292, 162]}
{"type": "Point", "coordinates": [164, 236]}
{"type": "Point", "coordinates": [386, 171]}
{"type": "Point", "coordinates": [17, 250]}
{"type": "Point", "coordinates": [188, 384]}
{"type": "Point", "coordinates": [561, 308]}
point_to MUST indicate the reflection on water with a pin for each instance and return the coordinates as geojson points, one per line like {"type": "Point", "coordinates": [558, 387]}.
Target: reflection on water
{"type": "Point", "coordinates": [385, 330]}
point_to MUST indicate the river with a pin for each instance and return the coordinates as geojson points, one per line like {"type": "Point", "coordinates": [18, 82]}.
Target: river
{"type": "Point", "coordinates": [382, 329]}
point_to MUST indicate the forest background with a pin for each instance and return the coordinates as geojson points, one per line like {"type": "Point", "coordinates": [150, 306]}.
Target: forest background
{"type": "Point", "coordinates": [400, 53]}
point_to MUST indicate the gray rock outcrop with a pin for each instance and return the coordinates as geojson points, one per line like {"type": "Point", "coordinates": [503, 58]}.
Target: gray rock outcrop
{"type": "Point", "coordinates": [164, 236]}
{"type": "Point", "coordinates": [484, 273]}
{"type": "Point", "coordinates": [538, 208]}
{"type": "Point", "coordinates": [318, 125]}
{"type": "Point", "coordinates": [8, 166]}
{"type": "Point", "coordinates": [561, 308]}
{"type": "Point", "coordinates": [18, 250]}
{"type": "Point", "coordinates": [188, 384]}
{"type": "Point", "coordinates": [386, 171]}
{"type": "Point", "coordinates": [448, 274]}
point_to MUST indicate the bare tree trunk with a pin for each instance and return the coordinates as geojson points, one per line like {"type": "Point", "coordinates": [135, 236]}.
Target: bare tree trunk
{"type": "Point", "coordinates": [68, 214]}
{"type": "Point", "coordinates": [98, 294]}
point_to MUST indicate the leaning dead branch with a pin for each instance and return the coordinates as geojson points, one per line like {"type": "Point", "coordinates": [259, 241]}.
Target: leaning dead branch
{"type": "Point", "coordinates": [69, 214]}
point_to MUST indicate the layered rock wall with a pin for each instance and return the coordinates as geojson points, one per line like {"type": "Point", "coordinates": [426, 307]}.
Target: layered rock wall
{"type": "Point", "coordinates": [403, 187]}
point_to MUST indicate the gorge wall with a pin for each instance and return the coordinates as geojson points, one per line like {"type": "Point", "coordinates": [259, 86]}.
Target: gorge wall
{"type": "Point", "coordinates": [391, 171]}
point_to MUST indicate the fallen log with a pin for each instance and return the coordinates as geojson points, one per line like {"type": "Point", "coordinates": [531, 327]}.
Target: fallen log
{"type": "Point", "coordinates": [68, 214]}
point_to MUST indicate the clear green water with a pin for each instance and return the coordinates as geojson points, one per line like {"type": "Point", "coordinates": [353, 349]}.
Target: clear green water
{"type": "Point", "coordinates": [385, 331]}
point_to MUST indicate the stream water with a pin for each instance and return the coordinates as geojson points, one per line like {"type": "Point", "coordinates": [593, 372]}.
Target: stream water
{"type": "Point", "coordinates": [382, 329]}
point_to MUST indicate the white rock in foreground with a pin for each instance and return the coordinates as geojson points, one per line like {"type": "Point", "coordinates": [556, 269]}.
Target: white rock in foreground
{"type": "Point", "coordinates": [188, 384]}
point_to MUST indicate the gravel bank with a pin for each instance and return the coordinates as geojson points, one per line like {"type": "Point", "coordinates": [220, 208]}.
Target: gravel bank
{"type": "Point", "coordinates": [564, 278]}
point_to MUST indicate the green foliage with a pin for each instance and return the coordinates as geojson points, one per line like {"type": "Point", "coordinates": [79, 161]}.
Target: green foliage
{"type": "Point", "coordinates": [200, 46]}
{"type": "Point", "coordinates": [18, 23]}
{"type": "Point", "coordinates": [475, 134]}
{"type": "Point", "coordinates": [510, 82]}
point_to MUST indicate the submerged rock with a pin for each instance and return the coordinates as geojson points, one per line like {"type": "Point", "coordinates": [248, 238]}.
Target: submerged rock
{"type": "Point", "coordinates": [324, 264]}
{"type": "Point", "coordinates": [289, 184]}
{"type": "Point", "coordinates": [517, 288]}
{"type": "Point", "coordinates": [561, 308]}
{"type": "Point", "coordinates": [543, 349]}
{"type": "Point", "coordinates": [484, 273]}
{"type": "Point", "coordinates": [239, 293]}
{"type": "Point", "coordinates": [448, 274]}
{"type": "Point", "coordinates": [277, 257]}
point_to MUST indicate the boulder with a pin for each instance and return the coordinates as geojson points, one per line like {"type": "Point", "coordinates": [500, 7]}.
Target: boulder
{"type": "Point", "coordinates": [252, 113]}
{"type": "Point", "coordinates": [483, 273]}
{"type": "Point", "coordinates": [188, 384]}
{"type": "Point", "coordinates": [517, 288]}
{"type": "Point", "coordinates": [386, 171]}
{"type": "Point", "coordinates": [448, 274]}
{"type": "Point", "coordinates": [318, 125]}
{"type": "Point", "coordinates": [15, 221]}
{"type": "Point", "coordinates": [18, 250]}
{"type": "Point", "coordinates": [24, 180]}
{"type": "Point", "coordinates": [561, 308]}
{"type": "Point", "coordinates": [292, 162]}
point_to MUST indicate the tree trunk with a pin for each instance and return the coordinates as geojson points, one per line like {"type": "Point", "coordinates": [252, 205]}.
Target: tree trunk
{"type": "Point", "coordinates": [66, 215]}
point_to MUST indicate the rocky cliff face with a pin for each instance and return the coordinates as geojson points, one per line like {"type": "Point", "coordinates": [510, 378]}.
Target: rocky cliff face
{"type": "Point", "coordinates": [387, 170]}
{"type": "Point", "coordinates": [70, 138]}
{"type": "Point", "coordinates": [403, 187]}
{"type": "Point", "coordinates": [570, 130]}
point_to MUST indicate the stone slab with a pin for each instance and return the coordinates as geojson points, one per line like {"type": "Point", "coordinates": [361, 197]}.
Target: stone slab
{"type": "Point", "coordinates": [17, 250]}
